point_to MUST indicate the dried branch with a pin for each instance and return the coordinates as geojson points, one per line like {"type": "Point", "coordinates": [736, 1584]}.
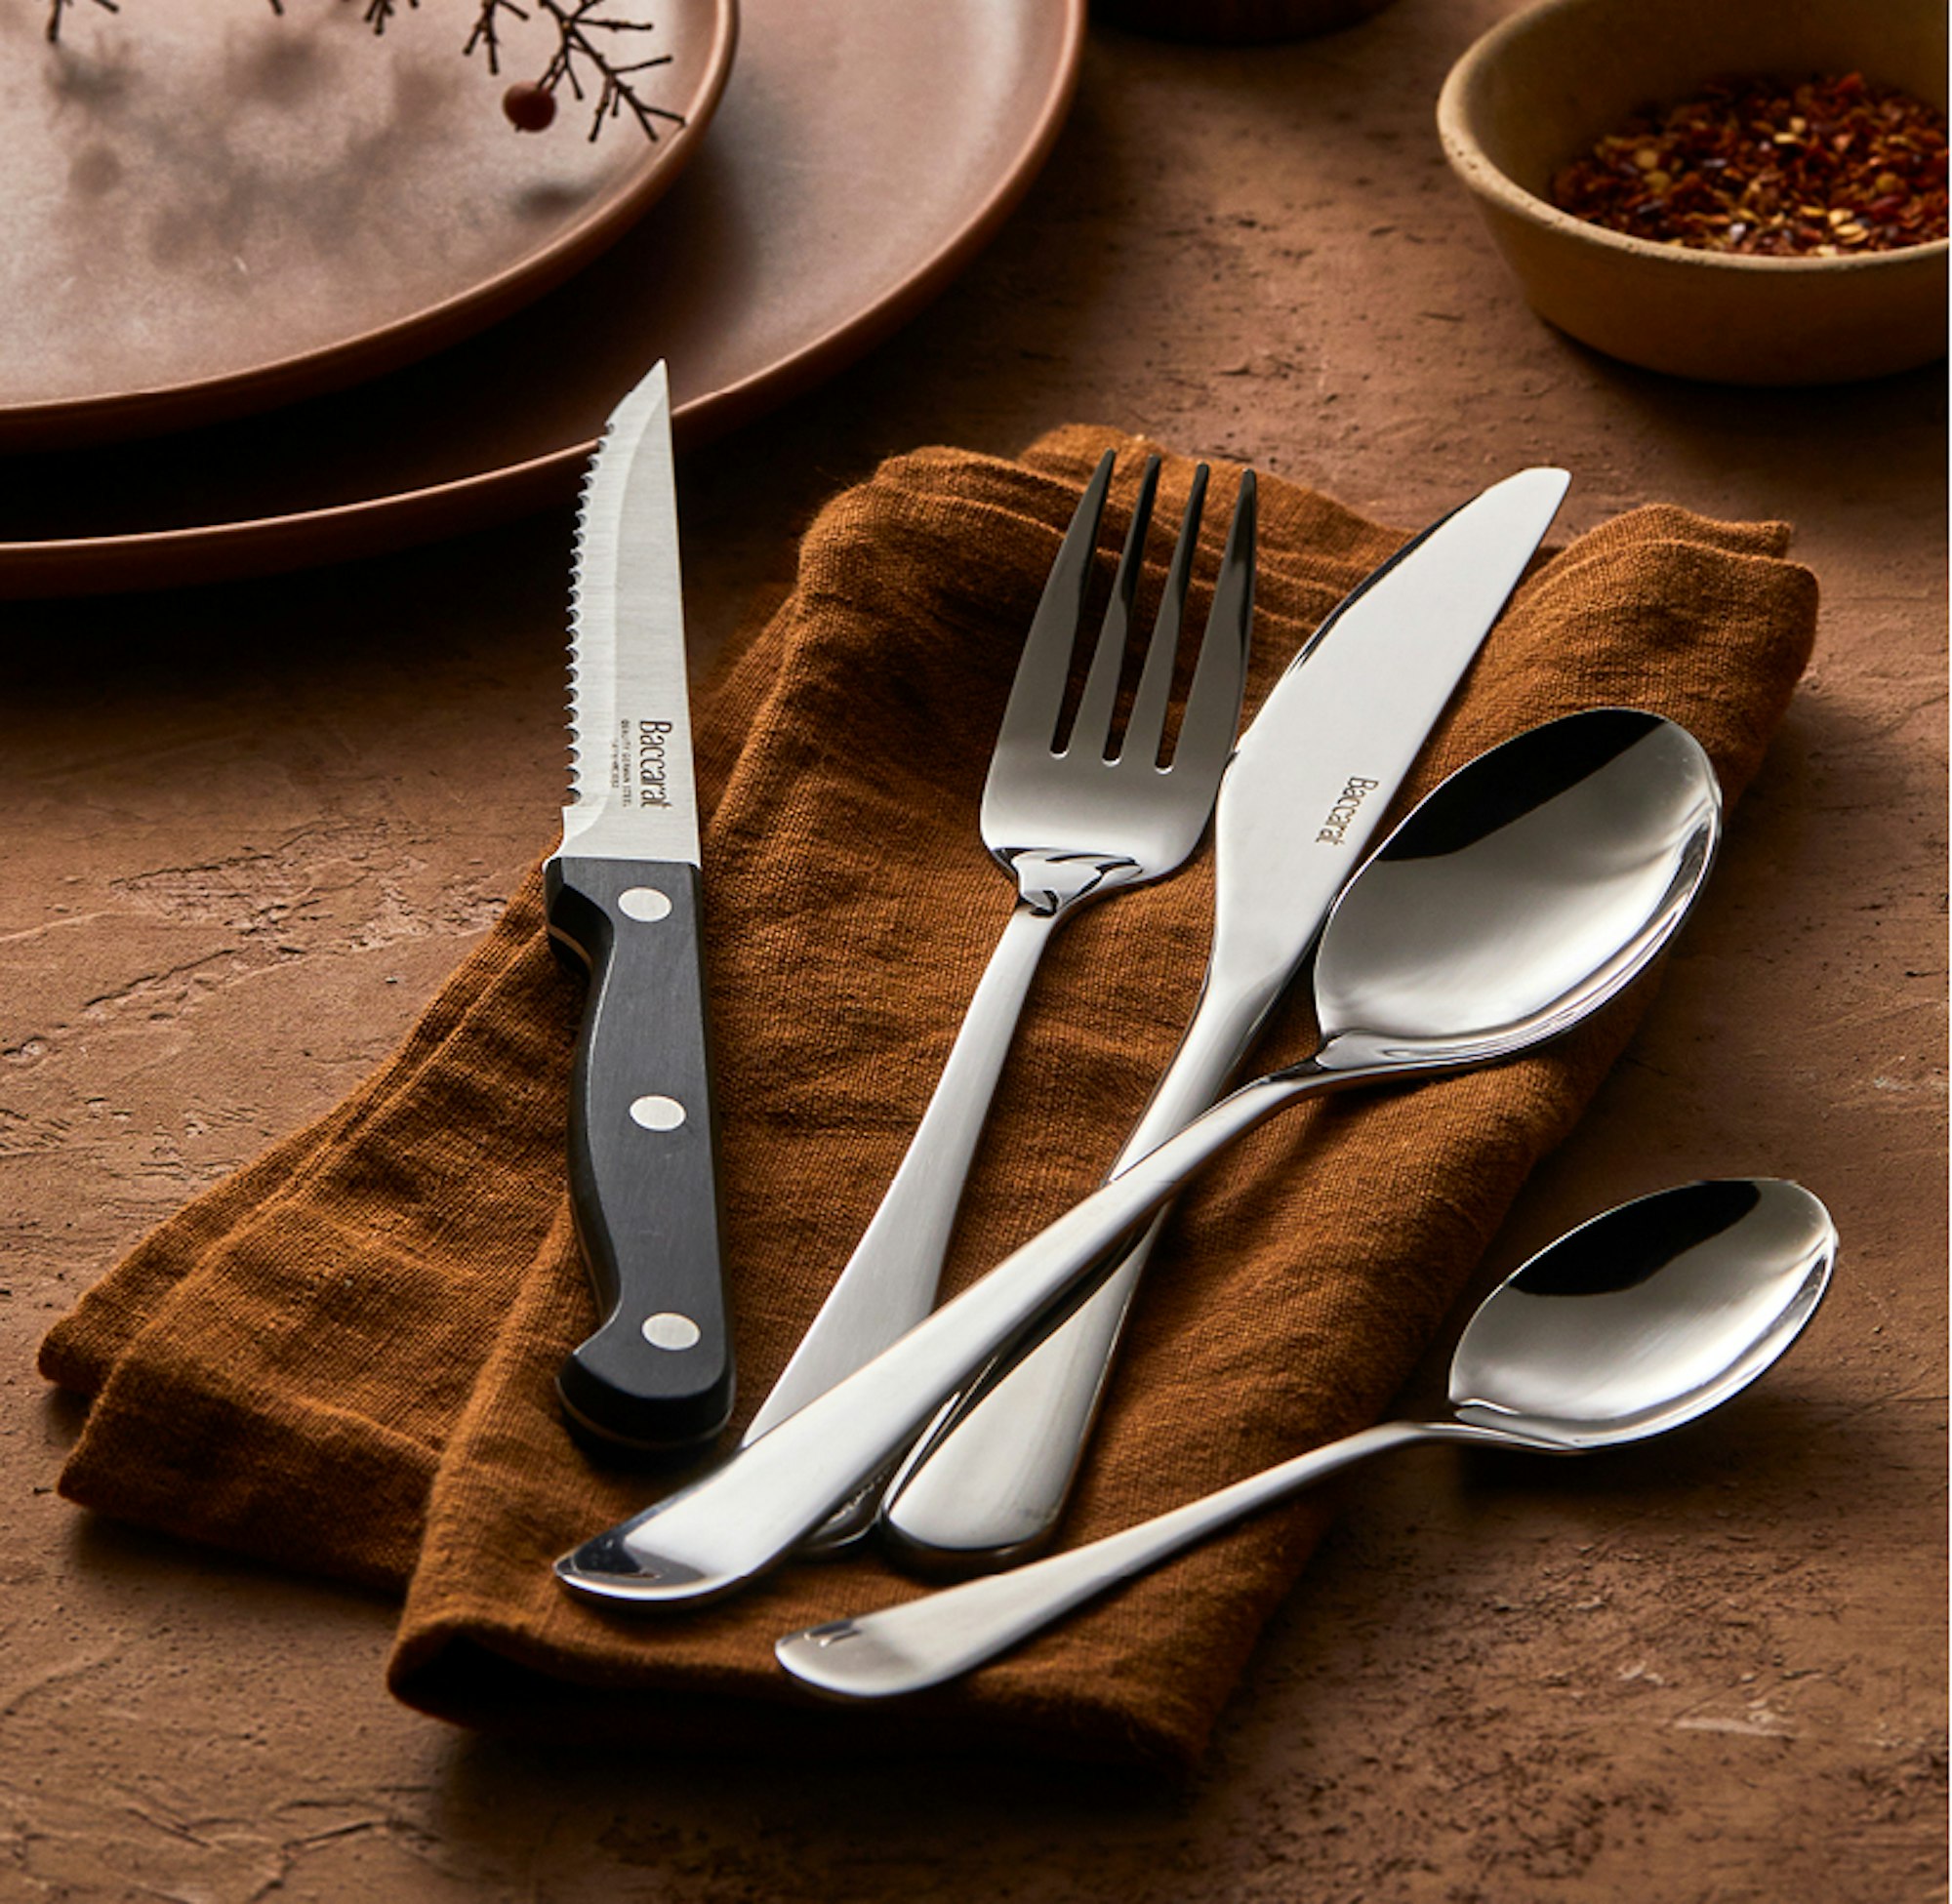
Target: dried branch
{"type": "Point", "coordinates": [581, 63]}
{"type": "Point", "coordinates": [57, 8]}
{"type": "Point", "coordinates": [584, 61]}
{"type": "Point", "coordinates": [484, 35]}
{"type": "Point", "coordinates": [377, 12]}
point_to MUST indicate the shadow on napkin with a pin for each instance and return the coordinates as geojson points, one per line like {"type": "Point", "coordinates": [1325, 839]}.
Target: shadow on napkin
{"type": "Point", "coordinates": [342, 1359]}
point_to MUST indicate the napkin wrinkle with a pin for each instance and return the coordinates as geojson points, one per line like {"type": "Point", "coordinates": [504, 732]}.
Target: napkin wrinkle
{"type": "Point", "coordinates": [342, 1359]}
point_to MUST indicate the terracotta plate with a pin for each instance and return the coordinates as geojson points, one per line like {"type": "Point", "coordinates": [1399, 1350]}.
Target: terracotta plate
{"type": "Point", "coordinates": [211, 209]}
{"type": "Point", "coordinates": [863, 152]}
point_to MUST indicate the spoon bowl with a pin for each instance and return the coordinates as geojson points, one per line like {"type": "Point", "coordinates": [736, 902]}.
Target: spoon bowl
{"type": "Point", "coordinates": [1633, 1323]}
{"type": "Point", "coordinates": [1647, 1317]}
{"type": "Point", "coordinates": [1532, 891]}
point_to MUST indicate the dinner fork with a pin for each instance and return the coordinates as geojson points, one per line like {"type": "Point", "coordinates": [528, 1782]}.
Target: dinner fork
{"type": "Point", "coordinates": [1071, 820]}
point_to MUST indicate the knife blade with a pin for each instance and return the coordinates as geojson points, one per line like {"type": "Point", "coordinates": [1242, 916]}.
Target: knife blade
{"type": "Point", "coordinates": [624, 896]}
{"type": "Point", "coordinates": [1309, 783]}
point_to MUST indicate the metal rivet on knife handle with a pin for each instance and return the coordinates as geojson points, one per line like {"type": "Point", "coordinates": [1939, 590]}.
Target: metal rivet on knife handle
{"type": "Point", "coordinates": [669, 1330]}
{"type": "Point", "coordinates": [645, 903]}
{"type": "Point", "coordinates": [657, 1114]}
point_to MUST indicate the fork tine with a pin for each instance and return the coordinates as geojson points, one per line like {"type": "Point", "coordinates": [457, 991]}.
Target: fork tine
{"type": "Point", "coordinates": [1092, 726]}
{"type": "Point", "coordinates": [1036, 695]}
{"type": "Point", "coordinates": [1220, 676]}
{"type": "Point", "coordinates": [1146, 726]}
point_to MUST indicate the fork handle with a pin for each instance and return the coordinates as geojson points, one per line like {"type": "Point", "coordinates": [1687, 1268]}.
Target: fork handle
{"type": "Point", "coordinates": [890, 1280]}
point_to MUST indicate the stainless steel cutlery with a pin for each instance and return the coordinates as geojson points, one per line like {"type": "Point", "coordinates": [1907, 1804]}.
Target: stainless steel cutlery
{"type": "Point", "coordinates": [1524, 893]}
{"type": "Point", "coordinates": [1527, 890]}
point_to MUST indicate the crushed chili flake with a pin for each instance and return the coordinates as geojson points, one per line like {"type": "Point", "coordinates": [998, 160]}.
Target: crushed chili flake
{"type": "Point", "coordinates": [1770, 168]}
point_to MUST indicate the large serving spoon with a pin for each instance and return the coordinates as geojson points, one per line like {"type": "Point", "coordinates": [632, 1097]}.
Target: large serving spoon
{"type": "Point", "coordinates": [1522, 894]}
{"type": "Point", "coordinates": [1635, 1323]}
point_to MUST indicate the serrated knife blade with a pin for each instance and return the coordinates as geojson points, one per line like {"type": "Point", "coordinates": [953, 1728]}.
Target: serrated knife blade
{"type": "Point", "coordinates": [624, 893]}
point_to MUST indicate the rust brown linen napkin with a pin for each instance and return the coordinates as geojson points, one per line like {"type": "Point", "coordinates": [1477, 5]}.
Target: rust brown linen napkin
{"type": "Point", "coordinates": [343, 1357]}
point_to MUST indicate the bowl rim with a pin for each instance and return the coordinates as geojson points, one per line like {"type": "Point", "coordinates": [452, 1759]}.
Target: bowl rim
{"type": "Point", "coordinates": [1475, 167]}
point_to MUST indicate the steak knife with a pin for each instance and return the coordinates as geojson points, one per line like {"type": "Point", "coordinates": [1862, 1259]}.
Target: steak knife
{"type": "Point", "coordinates": [1309, 783]}
{"type": "Point", "coordinates": [624, 902]}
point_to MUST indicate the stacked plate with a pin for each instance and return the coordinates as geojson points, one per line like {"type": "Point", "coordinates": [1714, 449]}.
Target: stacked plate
{"type": "Point", "coordinates": [281, 291]}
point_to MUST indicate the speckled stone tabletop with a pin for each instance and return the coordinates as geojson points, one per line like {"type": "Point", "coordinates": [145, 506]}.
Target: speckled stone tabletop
{"type": "Point", "coordinates": [251, 826]}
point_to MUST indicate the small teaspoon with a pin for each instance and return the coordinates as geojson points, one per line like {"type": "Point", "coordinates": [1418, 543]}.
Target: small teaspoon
{"type": "Point", "coordinates": [1635, 1323]}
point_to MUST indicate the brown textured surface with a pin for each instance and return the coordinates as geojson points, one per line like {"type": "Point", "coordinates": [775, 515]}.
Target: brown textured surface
{"type": "Point", "coordinates": [1710, 1669]}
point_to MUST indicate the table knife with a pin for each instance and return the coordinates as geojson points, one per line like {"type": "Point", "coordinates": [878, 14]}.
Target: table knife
{"type": "Point", "coordinates": [623, 900]}
{"type": "Point", "coordinates": [1310, 779]}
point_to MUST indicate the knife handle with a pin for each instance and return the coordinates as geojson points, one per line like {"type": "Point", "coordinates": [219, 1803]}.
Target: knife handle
{"type": "Point", "coordinates": [642, 1157]}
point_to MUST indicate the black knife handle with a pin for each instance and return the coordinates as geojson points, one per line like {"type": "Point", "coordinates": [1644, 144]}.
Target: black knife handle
{"type": "Point", "coordinates": [642, 1142]}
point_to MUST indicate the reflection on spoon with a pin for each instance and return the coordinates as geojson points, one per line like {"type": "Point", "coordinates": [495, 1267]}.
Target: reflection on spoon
{"type": "Point", "coordinates": [1634, 1323]}
{"type": "Point", "coordinates": [1524, 893]}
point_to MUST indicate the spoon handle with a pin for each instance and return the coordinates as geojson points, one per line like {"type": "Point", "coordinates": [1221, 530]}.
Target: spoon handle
{"type": "Point", "coordinates": [924, 1641]}
{"type": "Point", "coordinates": [710, 1536]}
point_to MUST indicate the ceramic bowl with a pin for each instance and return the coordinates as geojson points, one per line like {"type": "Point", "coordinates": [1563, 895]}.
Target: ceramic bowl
{"type": "Point", "coordinates": [1542, 87]}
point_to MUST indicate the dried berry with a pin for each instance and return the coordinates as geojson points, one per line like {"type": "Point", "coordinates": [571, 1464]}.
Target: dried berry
{"type": "Point", "coordinates": [1824, 169]}
{"type": "Point", "coordinates": [530, 108]}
